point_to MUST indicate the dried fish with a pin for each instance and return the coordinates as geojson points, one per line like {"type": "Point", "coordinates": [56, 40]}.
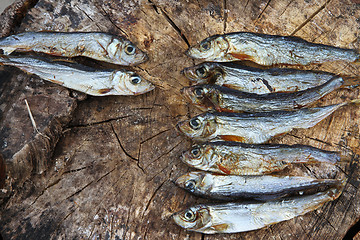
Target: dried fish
{"type": "Point", "coordinates": [84, 79]}
{"type": "Point", "coordinates": [242, 217]}
{"type": "Point", "coordinates": [96, 45]}
{"type": "Point", "coordinates": [252, 127]}
{"type": "Point", "coordinates": [267, 50]}
{"type": "Point", "coordinates": [263, 188]}
{"type": "Point", "coordinates": [254, 80]}
{"type": "Point", "coordinates": [237, 158]}
{"type": "Point", "coordinates": [223, 99]}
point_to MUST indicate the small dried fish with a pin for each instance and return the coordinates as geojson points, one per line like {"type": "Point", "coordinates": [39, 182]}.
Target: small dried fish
{"type": "Point", "coordinates": [267, 50]}
{"type": "Point", "coordinates": [237, 158]}
{"type": "Point", "coordinates": [263, 188]}
{"type": "Point", "coordinates": [252, 127]}
{"type": "Point", "coordinates": [96, 45]}
{"type": "Point", "coordinates": [84, 79]}
{"type": "Point", "coordinates": [223, 99]}
{"type": "Point", "coordinates": [243, 217]}
{"type": "Point", "coordinates": [254, 80]}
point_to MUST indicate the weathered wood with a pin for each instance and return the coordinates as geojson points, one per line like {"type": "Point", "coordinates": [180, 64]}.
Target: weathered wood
{"type": "Point", "coordinates": [104, 168]}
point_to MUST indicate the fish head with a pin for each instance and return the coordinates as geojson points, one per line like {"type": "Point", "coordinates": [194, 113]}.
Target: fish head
{"type": "Point", "coordinates": [193, 181]}
{"type": "Point", "coordinates": [205, 73]}
{"type": "Point", "coordinates": [193, 218]}
{"type": "Point", "coordinates": [213, 48]}
{"type": "Point", "coordinates": [129, 83]}
{"type": "Point", "coordinates": [206, 97]}
{"type": "Point", "coordinates": [126, 53]}
{"type": "Point", "coordinates": [201, 127]}
{"type": "Point", "coordinates": [199, 156]}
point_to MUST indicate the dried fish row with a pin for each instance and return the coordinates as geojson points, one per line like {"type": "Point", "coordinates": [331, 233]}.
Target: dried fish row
{"type": "Point", "coordinates": [96, 45]}
{"type": "Point", "coordinates": [232, 90]}
{"type": "Point", "coordinates": [255, 80]}
{"type": "Point", "coordinates": [263, 187]}
{"type": "Point", "coordinates": [237, 158]}
{"type": "Point", "coordinates": [84, 79]}
{"type": "Point", "coordinates": [267, 50]}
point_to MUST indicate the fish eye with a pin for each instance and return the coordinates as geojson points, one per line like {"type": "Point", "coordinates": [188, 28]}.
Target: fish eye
{"type": "Point", "coordinates": [205, 46]}
{"type": "Point", "coordinates": [189, 215]}
{"type": "Point", "coordinates": [130, 49]}
{"type": "Point", "coordinates": [195, 123]}
{"type": "Point", "coordinates": [201, 72]}
{"type": "Point", "coordinates": [199, 92]}
{"type": "Point", "coordinates": [190, 185]}
{"type": "Point", "coordinates": [135, 79]}
{"type": "Point", "coordinates": [195, 152]}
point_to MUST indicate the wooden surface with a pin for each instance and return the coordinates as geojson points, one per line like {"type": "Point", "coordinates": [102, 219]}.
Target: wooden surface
{"type": "Point", "coordinates": [102, 166]}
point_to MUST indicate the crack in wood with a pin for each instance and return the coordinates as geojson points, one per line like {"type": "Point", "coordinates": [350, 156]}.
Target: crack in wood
{"type": "Point", "coordinates": [88, 184]}
{"type": "Point", "coordinates": [159, 133]}
{"type": "Point", "coordinates": [89, 18]}
{"type": "Point", "coordinates": [152, 197]}
{"type": "Point", "coordinates": [261, 13]}
{"type": "Point", "coordinates": [177, 29]}
{"type": "Point", "coordinates": [164, 154]}
{"type": "Point", "coordinates": [225, 15]}
{"type": "Point", "coordinates": [107, 15]}
{"type": "Point", "coordinates": [96, 123]}
{"type": "Point", "coordinates": [123, 149]}
{"type": "Point", "coordinates": [246, 4]}
{"type": "Point", "coordinates": [310, 18]}
{"type": "Point", "coordinates": [286, 7]}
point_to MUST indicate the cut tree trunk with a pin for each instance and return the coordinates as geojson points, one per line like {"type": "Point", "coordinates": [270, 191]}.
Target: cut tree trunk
{"type": "Point", "coordinates": [101, 167]}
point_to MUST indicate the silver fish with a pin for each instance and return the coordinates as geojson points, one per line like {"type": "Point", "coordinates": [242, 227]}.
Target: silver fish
{"type": "Point", "coordinates": [267, 50]}
{"type": "Point", "coordinates": [263, 188]}
{"type": "Point", "coordinates": [237, 158]}
{"type": "Point", "coordinates": [252, 127]}
{"type": "Point", "coordinates": [96, 45]}
{"type": "Point", "coordinates": [254, 80]}
{"type": "Point", "coordinates": [84, 79]}
{"type": "Point", "coordinates": [243, 217]}
{"type": "Point", "coordinates": [223, 99]}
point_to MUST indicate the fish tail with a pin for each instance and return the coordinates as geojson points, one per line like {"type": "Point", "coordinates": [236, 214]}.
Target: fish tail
{"type": "Point", "coordinates": [351, 82]}
{"type": "Point", "coordinates": [345, 159]}
{"type": "Point", "coordinates": [335, 192]}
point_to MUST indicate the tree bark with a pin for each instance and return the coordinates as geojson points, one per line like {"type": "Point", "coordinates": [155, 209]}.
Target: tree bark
{"type": "Point", "coordinates": [101, 167]}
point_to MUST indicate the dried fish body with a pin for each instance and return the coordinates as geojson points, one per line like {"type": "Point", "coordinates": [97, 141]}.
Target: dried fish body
{"type": "Point", "coordinates": [99, 46]}
{"type": "Point", "coordinates": [237, 158]}
{"type": "Point", "coordinates": [223, 99]}
{"type": "Point", "coordinates": [252, 127]}
{"type": "Point", "coordinates": [254, 80]}
{"type": "Point", "coordinates": [80, 78]}
{"type": "Point", "coordinates": [242, 217]}
{"type": "Point", "coordinates": [265, 187]}
{"type": "Point", "coordinates": [267, 50]}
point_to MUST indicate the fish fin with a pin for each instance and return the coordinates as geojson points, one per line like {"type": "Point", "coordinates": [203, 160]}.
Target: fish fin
{"type": "Point", "coordinates": [8, 50]}
{"type": "Point", "coordinates": [57, 82]}
{"type": "Point", "coordinates": [232, 138]}
{"type": "Point", "coordinates": [220, 227]}
{"type": "Point", "coordinates": [240, 56]}
{"type": "Point", "coordinates": [223, 169]}
{"type": "Point", "coordinates": [104, 90]}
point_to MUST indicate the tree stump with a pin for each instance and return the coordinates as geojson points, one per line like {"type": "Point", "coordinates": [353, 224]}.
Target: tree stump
{"type": "Point", "coordinates": [101, 167]}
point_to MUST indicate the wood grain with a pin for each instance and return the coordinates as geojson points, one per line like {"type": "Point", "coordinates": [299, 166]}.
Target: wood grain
{"type": "Point", "coordinates": [104, 171]}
